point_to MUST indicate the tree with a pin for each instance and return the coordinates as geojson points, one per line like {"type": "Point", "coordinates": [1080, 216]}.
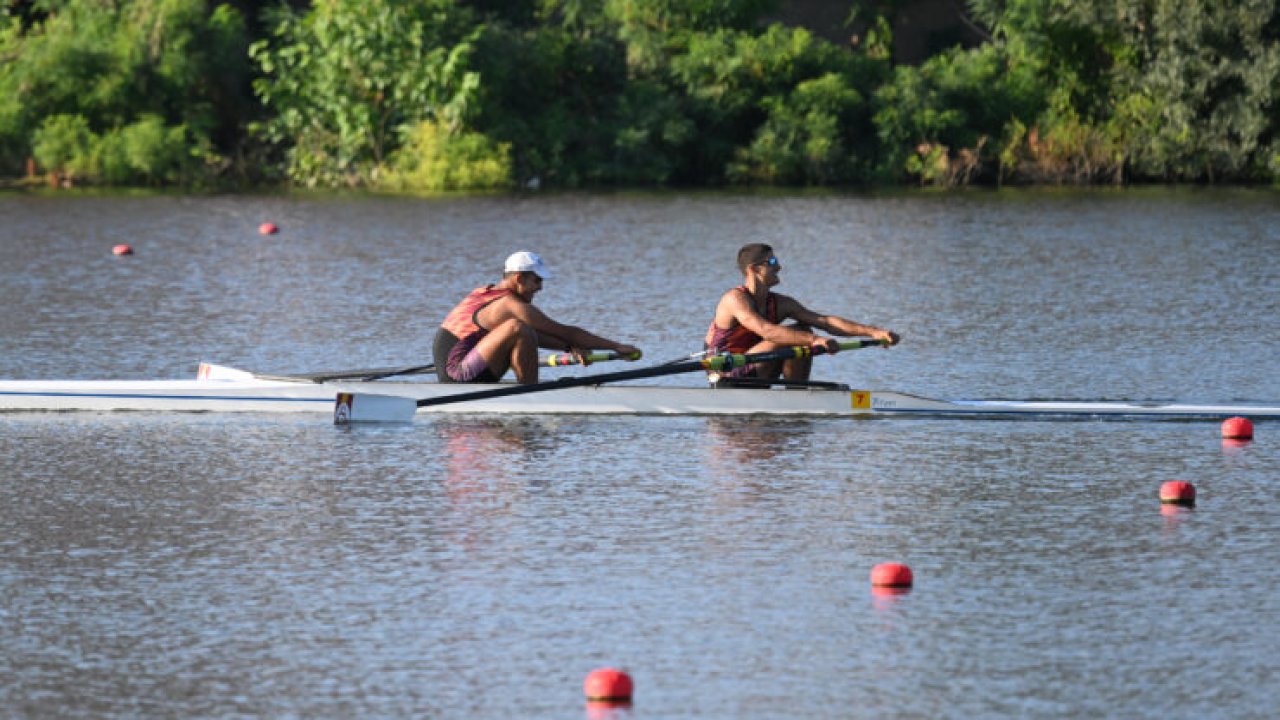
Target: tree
{"type": "Point", "coordinates": [348, 80]}
{"type": "Point", "coordinates": [112, 65]}
{"type": "Point", "coordinates": [1200, 89]}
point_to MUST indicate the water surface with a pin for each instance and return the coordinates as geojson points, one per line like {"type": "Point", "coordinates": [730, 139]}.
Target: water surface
{"type": "Point", "coordinates": [215, 565]}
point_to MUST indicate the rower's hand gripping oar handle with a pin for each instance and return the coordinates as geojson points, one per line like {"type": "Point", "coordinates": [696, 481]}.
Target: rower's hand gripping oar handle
{"type": "Point", "coordinates": [571, 359]}
{"type": "Point", "coordinates": [731, 361]}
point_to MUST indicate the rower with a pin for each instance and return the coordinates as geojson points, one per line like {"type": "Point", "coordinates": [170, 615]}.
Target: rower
{"type": "Point", "coordinates": [748, 319]}
{"type": "Point", "coordinates": [496, 328]}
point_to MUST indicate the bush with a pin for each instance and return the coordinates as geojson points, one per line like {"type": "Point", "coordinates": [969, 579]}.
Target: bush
{"type": "Point", "coordinates": [346, 80]}
{"type": "Point", "coordinates": [954, 104]}
{"type": "Point", "coordinates": [153, 65]}
{"type": "Point", "coordinates": [778, 106]}
{"type": "Point", "coordinates": [154, 153]}
{"type": "Point", "coordinates": [803, 140]}
{"type": "Point", "coordinates": [433, 160]}
{"type": "Point", "coordinates": [64, 144]}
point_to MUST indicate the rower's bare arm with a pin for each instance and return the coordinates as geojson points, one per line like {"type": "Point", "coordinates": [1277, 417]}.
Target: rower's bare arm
{"type": "Point", "coordinates": [837, 325]}
{"type": "Point", "coordinates": [746, 316]}
{"type": "Point", "coordinates": [582, 341]}
{"type": "Point", "coordinates": [578, 340]}
{"type": "Point", "coordinates": [558, 336]}
{"type": "Point", "coordinates": [834, 324]}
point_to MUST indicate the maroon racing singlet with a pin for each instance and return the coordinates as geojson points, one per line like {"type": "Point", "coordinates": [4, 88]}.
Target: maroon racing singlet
{"type": "Point", "coordinates": [460, 332]}
{"type": "Point", "coordinates": [738, 339]}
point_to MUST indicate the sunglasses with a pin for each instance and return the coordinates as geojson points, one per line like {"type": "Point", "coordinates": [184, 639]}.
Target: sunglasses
{"type": "Point", "coordinates": [771, 262]}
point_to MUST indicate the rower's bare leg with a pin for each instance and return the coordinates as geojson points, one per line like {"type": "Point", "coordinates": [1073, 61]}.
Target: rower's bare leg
{"type": "Point", "coordinates": [524, 357]}
{"type": "Point", "coordinates": [766, 370]}
{"type": "Point", "coordinates": [511, 345]}
{"type": "Point", "coordinates": [797, 368]}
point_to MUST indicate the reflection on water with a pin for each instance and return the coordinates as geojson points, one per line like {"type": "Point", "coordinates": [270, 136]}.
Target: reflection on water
{"type": "Point", "coordinates": [1174, 513]}
{"type": "Point", "coordinates": [479, 452]}
{"type": "Point", "coordinates": [609, 710]}
{"type": "Point", "coordinates": [888, 602]}
{"type": "Point", "coordinates": [485, 462]}
{"type": "Point", "coordinates": [746, 441]}
{"type": "Point", "coordinates": [754, 462]}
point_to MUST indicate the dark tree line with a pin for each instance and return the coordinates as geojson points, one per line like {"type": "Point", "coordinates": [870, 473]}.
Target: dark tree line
{"type": "Point", "coordinates": [429, 95]}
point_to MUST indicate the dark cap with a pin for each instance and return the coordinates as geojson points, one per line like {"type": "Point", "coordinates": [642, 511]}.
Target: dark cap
{"type": "Point", "coordinates": [753, 254]}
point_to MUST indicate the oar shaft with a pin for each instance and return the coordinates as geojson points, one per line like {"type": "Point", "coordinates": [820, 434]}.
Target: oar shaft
{"type": "Point", "coordinates": [571, 359]}
{"type": "Point", "coordinates": [715, 363]}
{"type": "Point", "coordinates": [367, 374]}
{"type": "Point", "coordinates": [361, 374]}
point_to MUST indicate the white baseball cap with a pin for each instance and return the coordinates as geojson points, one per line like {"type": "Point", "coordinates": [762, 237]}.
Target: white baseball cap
{"type": "Point", "coordinates": [525, 261]}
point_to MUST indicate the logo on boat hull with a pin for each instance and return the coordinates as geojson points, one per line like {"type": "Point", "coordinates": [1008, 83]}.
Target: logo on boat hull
{"type": "Point", "coordinates": [342, 410]}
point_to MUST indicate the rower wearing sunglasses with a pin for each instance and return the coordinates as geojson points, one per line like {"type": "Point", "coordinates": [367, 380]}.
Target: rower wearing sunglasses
{"type": "Point", "coordinates": [749, 319]}
{"type": "Point", "coordinates": [496, 328]}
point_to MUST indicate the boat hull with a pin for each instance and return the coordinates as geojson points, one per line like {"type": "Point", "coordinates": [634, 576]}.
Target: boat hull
{"type": "Point", "coordinates": [895, 403]}
{"type": "Point", "coordinates": [229, 390]}
{"type": "Point", "coordinates": [286, 397]}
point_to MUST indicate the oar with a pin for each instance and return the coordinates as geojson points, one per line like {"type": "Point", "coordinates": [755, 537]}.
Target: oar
{"type": "Point", "coordinates": [571, 359]}
{"type": "Point", "coordinates": [364, 407]}
{"type": "Point", "coordinates": [360, 374]}
{"type": "Point", "coordinates": [691, 356]}
{"type": "Point", "coordinates": [369, 374]}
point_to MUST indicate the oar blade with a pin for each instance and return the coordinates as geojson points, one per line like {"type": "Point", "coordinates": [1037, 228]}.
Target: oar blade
{"type": "Point", "coordinates": [372, 408]}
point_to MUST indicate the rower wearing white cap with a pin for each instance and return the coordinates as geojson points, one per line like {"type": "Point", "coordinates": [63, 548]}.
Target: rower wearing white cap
{"type": "Point", "coordinates": [497, 327]}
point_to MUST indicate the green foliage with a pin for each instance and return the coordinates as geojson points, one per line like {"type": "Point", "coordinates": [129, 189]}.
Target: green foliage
{"type": "Point", "coordinates": [1064, 148]}
{"type": "Point", "coordinates": [676, 15]}
{"type": "Point", "coordinates": [426, 95]}
{"type": "Point", "coordinates": [583, 110]}
{"type": "Point", "coordinates": [147, 151]}
{"type": "Point", "coordinates": [111, 64]}
{"type": "Point", "coordinates": [803, 140]}
{"type": "Point", "coordinates": [64, 143]}
{"type": "Point", "coordinates": [653, 136]}
{"type": "Point", "coordinates": [434, 159]}
{"type": "Point", "coordinates": [1153, 88]}
{"type": "Point", "coordinates": [749, 93]}
{"type": "Point", "coordinates": [347, 79]}
{"type": "Point", "coordinates": [572, 115]}
{"type": "Point", "coordinates": [955, 103]}
{"type": "Point", "coordinates": [1208, 72]}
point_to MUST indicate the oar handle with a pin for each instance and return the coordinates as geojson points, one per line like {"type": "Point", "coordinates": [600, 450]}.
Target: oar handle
{"type": "Point", "coordinates": [730, 361]}
{"type": "Point", "coordinates": [595, 357]}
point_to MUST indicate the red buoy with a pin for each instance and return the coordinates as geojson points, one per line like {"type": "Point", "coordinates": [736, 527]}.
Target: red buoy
{"type": "Point", "coordinates": [1237, 428]}
{"type": "Point", "coordinates": [891, 575]}
{"type": "Point", "coordinates": [268, 228]}
{"type": "Point", "coordinates": [1178, 492]}
{"type": "Point", "coordinates": [122, 249]}
{"type": "Point", "coordinates": [607, 684]}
